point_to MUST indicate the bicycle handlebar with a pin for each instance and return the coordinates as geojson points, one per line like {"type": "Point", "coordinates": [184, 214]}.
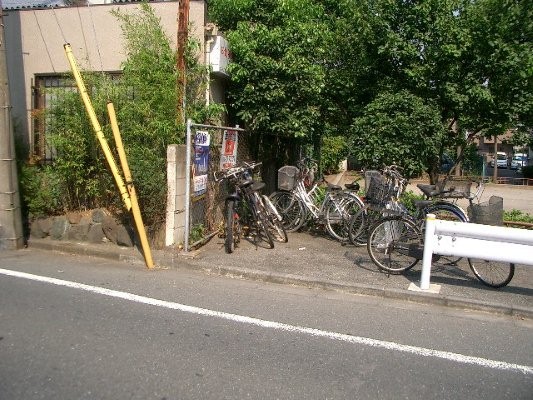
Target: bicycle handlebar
{"type": "Point", "coordinates": [233, 172]}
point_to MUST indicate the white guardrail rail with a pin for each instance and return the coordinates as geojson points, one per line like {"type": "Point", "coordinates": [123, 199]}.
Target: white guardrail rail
{"type": "Point", "coordinates": [486, 242]}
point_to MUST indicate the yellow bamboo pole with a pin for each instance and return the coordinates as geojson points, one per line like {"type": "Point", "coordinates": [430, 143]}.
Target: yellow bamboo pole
{"type": "Point", "coordinates": [131, 188]}
{"type": "Point", "coordinates": [97, 128]}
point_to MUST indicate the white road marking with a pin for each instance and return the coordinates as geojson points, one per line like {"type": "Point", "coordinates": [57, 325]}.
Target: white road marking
{"type": "Point", "coordinates": [421, 351]}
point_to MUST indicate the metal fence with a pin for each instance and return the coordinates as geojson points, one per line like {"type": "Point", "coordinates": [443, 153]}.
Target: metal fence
{"type": "Point", "coordinates": [208, 148]}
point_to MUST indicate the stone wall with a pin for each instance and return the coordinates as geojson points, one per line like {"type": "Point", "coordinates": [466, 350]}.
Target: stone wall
{"type": "Point", "coordinates": [96, 226]}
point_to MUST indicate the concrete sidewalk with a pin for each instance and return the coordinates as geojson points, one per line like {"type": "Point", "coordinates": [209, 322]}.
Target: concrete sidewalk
{"type": "Point", "coordinates": [312, 260]}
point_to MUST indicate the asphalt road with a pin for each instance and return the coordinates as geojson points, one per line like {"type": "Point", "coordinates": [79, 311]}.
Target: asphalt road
{"type": "Point", "coordinates": [87, 328]}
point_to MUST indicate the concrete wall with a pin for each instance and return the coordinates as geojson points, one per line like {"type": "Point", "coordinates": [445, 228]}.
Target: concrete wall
{"type": "Point", "coordinates": [35, 39]}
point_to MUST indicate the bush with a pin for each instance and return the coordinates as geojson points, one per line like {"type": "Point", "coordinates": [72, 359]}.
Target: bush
{"type": "Point", "coordinates": [517, 216]}
{"type": "Point", "coordinates": [41, 190]}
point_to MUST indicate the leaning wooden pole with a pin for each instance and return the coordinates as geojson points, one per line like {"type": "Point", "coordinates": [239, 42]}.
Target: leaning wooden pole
{"type": "Point", "coordinates": [97, 128]}
{"type": "Point", "coordinates": [131, 188]}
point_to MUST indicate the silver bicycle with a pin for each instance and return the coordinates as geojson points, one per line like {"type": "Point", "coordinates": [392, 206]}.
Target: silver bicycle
{"type": "Point", "coordinates": [298, 205]}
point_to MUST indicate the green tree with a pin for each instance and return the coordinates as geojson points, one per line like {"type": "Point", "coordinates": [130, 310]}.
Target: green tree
{"type": "Point", "coordinates": [278, 71]}
{"type": "Point", "coordinates": [399, 128]}
{"type": "Point", "coordinates": [470, 61]}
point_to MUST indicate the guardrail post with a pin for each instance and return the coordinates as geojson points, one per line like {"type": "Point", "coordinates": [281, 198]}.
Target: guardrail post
{"type": "Point", "coordinates": [428, 252]}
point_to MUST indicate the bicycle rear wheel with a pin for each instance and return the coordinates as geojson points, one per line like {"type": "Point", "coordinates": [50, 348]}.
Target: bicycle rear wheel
{"type": "Point", "coordinates": [338, 213]}
{"type": "Point", "coordinates": [274, 221]}
{"type": "Point", "coordinates": [492, 273]}
{"type": "Point", "coordinates": [261, 221]}
{"type": "Point", "coordinates": [291, 209]}
{"type": "Point", "coordinates": [395, 244]}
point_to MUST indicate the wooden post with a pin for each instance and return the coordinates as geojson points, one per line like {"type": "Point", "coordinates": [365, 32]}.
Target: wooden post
{"type": "Point", "coordinates": [183, 30]}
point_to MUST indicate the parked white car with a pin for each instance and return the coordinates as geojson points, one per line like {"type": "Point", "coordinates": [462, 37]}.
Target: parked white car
{"type": "Point", "coordinates": [519, 161]}
{"type": "Point", "coordinates": [500, 160]}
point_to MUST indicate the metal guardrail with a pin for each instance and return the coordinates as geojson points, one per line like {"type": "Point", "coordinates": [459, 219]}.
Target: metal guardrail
{"type": "Point", "coordinates": [470, 240]}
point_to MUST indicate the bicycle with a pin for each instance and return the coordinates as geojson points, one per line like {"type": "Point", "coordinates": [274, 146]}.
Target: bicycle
{"type": "Point", "coordinates": [395, 242]}
{"type": "Point", "coordinates": [382, 199]}
{"type": "Point", "coordinates": [245, 204]}
{"type": "Point", "coordinates": [297, 205]}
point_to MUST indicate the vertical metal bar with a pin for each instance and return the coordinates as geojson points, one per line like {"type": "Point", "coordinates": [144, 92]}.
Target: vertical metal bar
{"type": "Point", "coordinates": [428, 252]}
{"type": "Point", "coordinates": [188, 142]}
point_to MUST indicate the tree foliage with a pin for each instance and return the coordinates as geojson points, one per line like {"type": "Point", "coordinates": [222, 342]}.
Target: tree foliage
{"type": "Point", "coordinates": [469, 62]}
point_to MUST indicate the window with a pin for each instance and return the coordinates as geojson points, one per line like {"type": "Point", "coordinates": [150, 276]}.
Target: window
{"type": "Point", "coordinates": [43, 97]}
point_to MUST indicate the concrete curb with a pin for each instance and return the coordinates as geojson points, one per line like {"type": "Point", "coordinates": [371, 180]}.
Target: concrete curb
{"type": "Point", "coordinates": [183, 262]}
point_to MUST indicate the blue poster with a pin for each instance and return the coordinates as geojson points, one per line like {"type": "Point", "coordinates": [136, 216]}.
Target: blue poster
{"type": "Point", "coordinates": [201, 162]}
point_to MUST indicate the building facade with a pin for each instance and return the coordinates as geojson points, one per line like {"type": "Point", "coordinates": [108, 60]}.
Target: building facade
{"type": "Point", "coordinates": [35, 39]}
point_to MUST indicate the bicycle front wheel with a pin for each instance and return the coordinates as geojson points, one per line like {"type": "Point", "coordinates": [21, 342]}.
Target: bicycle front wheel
{"type": "Point", "coordinates": [360, 223]}
{"type": "Point", "coordinates": [338, 213]}
{"type": "Point", "coordinates": [233, 227]}
{"type": "Point", "coordinates": [492, 273]}
{"type": "Point", "coordinates": [291, 209]}
{"type": "Point", "coordinates": [395, 244]}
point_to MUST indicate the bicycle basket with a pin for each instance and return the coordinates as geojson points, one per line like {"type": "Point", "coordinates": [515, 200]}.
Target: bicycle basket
{"type": "Point", "coordinates": [487, 213]}
{"type": "Point", "coordinates": [379, 191]}
{"type": "Point", "coordinates": [454, 188]}
{"type": "Point", "coordinates": [287, 177]}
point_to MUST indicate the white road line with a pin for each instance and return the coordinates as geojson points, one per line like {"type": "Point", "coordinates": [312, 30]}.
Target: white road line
{"type": "Point", "coordinates": [483, 362]}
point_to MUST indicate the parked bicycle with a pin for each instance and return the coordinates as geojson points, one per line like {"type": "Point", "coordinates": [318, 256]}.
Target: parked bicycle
{"type": "Point", "coordinates": [395, 241]}
{"type": "Point", "coordinates": [246, 208]}
{"type": "Point", "coordinates": [299, 205]}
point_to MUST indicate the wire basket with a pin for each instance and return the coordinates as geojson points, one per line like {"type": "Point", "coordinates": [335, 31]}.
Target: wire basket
{"type": "Point", "coordinates": [455, 188]}
{"type": "Point", "coordinates": [487, 213]}
{"type": "Point", "coordinates": [379, 190]}
{"type": "Point", "coordinates": [287, 177]}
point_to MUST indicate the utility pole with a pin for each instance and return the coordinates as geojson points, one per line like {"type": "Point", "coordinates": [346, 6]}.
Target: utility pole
{"type": "Point", "coordinates": [183, 32]}
{"type": "Point", "coordinates": [10, 214]}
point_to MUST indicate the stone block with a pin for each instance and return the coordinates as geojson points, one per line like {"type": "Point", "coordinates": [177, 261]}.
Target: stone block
{"type": "Point", "coordinates": [99, 215]}
{"type": "Point", "coordinates": [124, 236]}
{"type": "Point", "coordinates": [110, 228]}
{"type": "Point", "coordinates": [36, 229]}
{"type": "Point", "coordinates": [59, 228]}
{"type": "Point", "coordinates": [78, 232]}
{"type": "Point", "coordinates": [95, 233]}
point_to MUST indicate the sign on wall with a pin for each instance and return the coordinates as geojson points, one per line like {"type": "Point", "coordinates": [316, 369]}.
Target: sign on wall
{"type": "Point", "coordinates": [228, 153]}
{"type": "Point", "coordinates": [220, 55]}
{"type": "Point", "coordinates": [201, 162]}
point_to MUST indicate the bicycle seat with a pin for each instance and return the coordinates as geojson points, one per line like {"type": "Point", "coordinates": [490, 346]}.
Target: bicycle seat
{"type": "Point", "coordinates": [428, 190]}
{"type": "Point", "coordinates": [422, 203]}
{"type": "Point", "coordinates": [352, 186]}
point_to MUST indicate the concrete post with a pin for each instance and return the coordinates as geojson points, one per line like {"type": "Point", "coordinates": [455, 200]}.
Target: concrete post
{"type": "Point", "coordinates": [175, 217]}
{"type": "Point", "coordinates": [10, 213]}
